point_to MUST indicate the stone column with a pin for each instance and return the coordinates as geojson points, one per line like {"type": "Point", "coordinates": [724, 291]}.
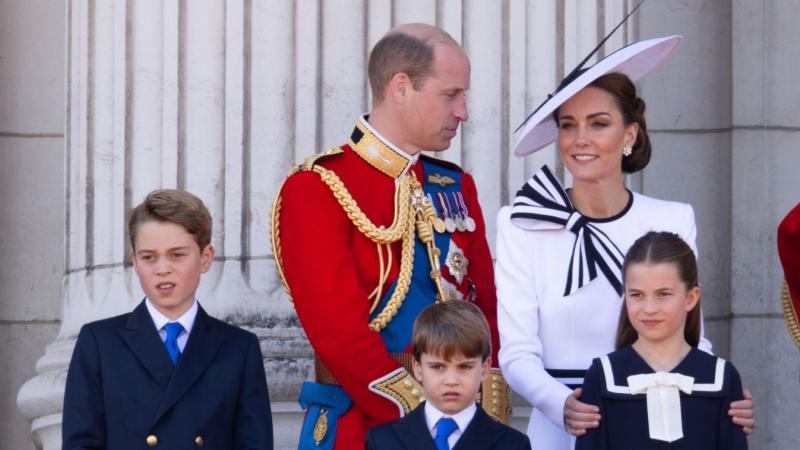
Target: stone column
{"type": "Point", "coordinates": [221, 98]}
{"type": "Point", "coordinates": [766, 131]}
{"type": "Point", "coordinates": [175, 94]}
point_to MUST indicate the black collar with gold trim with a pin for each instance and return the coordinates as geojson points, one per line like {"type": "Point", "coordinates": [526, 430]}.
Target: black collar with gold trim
{"type": "Point", "coordinates": [378, 152]}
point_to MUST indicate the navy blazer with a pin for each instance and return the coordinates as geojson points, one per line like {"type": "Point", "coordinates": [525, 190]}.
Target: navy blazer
{"type": "Point", "coordinates": [411, 433]}
{"type": "Point", "coordinates": [123, 391]}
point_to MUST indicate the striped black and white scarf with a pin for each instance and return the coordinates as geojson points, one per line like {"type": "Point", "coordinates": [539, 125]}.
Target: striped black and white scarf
{"type": "Point", "coordinates": [543, 204]}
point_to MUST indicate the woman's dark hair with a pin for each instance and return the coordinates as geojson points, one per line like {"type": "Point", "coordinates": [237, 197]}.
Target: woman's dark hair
{"type": "Point", "coordinates": [656, 248]}
{"type": "Point", "coordinates": [632, 107]}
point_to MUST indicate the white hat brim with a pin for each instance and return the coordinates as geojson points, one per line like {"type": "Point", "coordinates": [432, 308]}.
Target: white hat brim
{"type": "Point", "coordinates": [635, 60]}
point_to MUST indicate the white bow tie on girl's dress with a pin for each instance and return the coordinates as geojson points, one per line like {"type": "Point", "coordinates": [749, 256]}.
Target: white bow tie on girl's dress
{"type": "Point", "coordinates": [663, 402]}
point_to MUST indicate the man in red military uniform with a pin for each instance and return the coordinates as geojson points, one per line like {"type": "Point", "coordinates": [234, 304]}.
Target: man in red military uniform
{"type": "Point", "coordinates": [367, 234]}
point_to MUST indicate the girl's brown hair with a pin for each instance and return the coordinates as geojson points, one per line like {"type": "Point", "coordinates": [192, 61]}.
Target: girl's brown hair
{"type": "Point", "coordinates": [656, 248]}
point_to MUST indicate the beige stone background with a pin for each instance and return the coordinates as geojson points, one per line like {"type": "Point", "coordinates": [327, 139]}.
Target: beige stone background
{"type": "Point", "coordinates": [724, 114]}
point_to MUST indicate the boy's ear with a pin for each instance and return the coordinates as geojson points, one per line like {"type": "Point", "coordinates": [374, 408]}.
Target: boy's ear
{"type": "Point", "coordinates": [416, 367]}
{"type": "Point", "coordinates": [133, 260]}
{"type": "Point", "coordinates": [486, 366]}
{"type": "Point", "coordinates": [206, 258]}
{"type": "Point", "coordinates": [692, 297]}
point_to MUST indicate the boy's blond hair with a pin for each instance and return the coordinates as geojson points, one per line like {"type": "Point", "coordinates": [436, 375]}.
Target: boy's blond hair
{"type": "Point", "coordinates": [455, 327]}
{"type": "Point", "coordinates": [175, 206]}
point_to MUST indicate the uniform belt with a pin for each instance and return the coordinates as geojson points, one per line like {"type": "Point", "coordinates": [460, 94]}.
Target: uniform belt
{"type": "Point", "coordinates": [324, 376]}
{"type": "Point", "coordinates": [571, 378]}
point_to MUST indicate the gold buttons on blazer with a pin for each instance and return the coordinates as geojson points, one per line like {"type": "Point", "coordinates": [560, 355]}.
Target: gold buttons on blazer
{"type": "Point", "coordinates": [199, 441]}
{"type": "Point", "coordinates": [151, 440]}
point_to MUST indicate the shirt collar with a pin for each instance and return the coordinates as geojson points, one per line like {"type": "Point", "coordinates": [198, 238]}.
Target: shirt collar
{"type": "Point", "coordinates": [462, 418]}
{"type": "Point", "coordinates": [378, 152]}
{"type": "Point", "coordinates": [187, 319]}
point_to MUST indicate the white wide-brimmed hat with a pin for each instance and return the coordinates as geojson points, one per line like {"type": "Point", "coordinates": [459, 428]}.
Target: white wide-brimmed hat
{"type": "Point", "coordinates": [635, 60]}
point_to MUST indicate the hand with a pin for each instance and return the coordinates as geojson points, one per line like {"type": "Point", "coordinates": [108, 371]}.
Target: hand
{"type": "Point", "coordinates": [743, 413]}
{"type": "Point", "coordinates": [579, 416]}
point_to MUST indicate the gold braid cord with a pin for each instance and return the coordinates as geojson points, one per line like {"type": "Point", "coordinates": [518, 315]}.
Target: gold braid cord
{"type": "Point", "coordinates": [410, 212]}
{"type": "Point", "coordinates": [403, 215]}
{"type": "Point", "coordinates": [790, 315]}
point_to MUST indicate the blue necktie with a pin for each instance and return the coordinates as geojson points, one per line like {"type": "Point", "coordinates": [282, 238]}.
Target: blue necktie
{"type": "Point", "coordinates": [173, 330]}
{"type": "Point", "coordinates": [444, 428]}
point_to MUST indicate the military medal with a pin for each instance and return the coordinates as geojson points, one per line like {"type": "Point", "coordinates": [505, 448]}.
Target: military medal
{"type": "Point", "coordinates": [449, 223]}
{"type": "Point", "coordinates": [438, 225]}
{"type": "Point", "coordinates": [456, 263]}
{"type": "Point", "coordinates": [469, 222]}
{"type": "Point", "coordinates": [437, 222]}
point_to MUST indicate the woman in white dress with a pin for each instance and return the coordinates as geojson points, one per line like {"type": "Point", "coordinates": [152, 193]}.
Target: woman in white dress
{"type": "Point", "coordinates": [559, 252]}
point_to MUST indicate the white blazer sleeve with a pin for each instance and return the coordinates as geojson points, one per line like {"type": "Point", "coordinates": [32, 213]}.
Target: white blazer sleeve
{"type": "Point", "coordinates": [518, 322]}
{"type": "Point", "coordinates": [689, 234]}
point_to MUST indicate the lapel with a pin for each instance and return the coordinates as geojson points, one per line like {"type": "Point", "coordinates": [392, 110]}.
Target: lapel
{"type": "Point", "coordinates": [204, 342]}
{"type": "Point", "coordinates": [142, 338]}
{"type": "Point", "coordinates": [482, 432]}
{"type": "Point", "coordinates": [412, 430]}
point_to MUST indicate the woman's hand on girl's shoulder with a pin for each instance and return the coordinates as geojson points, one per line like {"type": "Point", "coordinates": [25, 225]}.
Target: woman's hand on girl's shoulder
{"type": "Point", "coordinates": [579, 416]}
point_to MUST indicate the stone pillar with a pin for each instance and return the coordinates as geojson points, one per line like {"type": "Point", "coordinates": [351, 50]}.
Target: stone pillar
{"type": "Point", "coordinates": [689, 119]}
{"type": "Point", "coordinates": [221, 98]}
{"type": "Point", "coordinates": [766, 130]}
{"type": "Point", "coordinates": [175, 94]}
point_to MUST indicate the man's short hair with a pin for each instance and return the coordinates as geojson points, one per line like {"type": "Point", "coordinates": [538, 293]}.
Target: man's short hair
{"type": "Point", "coordinates": [406, 49]}
{"type": "Point", "coordinates": [175, 206]}
{"type": "Point", "coordinates": [451, 328]}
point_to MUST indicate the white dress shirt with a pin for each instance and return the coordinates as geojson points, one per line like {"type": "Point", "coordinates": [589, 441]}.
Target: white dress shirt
{"type": "Point", "coordinates": [462, 418]}
{"type": "Point", "coordinates": [186, 320]}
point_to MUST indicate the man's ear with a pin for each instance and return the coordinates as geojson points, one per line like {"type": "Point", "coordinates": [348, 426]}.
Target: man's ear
{"type": "Point", "coordinates": [399, 87]}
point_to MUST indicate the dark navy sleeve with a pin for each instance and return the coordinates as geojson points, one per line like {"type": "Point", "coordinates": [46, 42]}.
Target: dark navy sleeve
{"type": "Point", "coordinates": [253, 427]}
{"type": "Point", "coordinates": [595, 438]}
{"type": "Point", "coordinates": [731, 436]}
{"type": "Point", "coordinates": [84, 425]}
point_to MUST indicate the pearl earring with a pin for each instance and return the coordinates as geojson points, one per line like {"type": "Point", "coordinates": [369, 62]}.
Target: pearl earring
{"type": "Point", "coordinates": [627, 151]}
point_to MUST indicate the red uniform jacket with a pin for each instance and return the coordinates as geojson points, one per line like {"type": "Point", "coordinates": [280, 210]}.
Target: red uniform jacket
{"type": "Point", "coordinates": [331, 268]}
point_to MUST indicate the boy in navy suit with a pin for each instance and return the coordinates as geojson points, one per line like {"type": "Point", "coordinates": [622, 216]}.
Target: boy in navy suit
{"type": "Point", "coordinates": [167, 375]}
{"type": "Point", "coordinates": [452, 350]}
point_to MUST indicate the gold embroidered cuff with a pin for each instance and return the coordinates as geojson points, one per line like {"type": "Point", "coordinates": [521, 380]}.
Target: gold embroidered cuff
{"type": "Point", "coordinates": [496, 396]}
{"type": "Point", "coordinates": [399, 387]}
{"type": "Point", "coordinates": [790, 315]}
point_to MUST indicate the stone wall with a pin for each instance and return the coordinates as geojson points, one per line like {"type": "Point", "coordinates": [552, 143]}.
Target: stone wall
{"type": "Point", "coordinates": [102, 101]}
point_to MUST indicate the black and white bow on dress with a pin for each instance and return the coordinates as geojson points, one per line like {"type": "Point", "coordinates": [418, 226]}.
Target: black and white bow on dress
{"type": "Point", "coordinates": [543, 204]}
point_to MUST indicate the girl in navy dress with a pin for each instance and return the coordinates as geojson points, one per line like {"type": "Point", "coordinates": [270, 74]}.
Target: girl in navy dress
{"type": "Point", "coordinates": [658, 391]}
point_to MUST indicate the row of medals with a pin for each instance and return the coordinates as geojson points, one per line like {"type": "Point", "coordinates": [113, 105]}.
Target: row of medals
{"type": "Point", "coordinates": [454, 218]}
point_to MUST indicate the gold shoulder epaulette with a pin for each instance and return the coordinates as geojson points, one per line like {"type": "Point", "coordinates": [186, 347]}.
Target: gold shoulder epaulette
{"type": "Point", "coordinates": [311, 160]}
{"type": "Point", "coordinates": [495, 397]}
{"type": "Point", "coordinates": [400, 388]}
